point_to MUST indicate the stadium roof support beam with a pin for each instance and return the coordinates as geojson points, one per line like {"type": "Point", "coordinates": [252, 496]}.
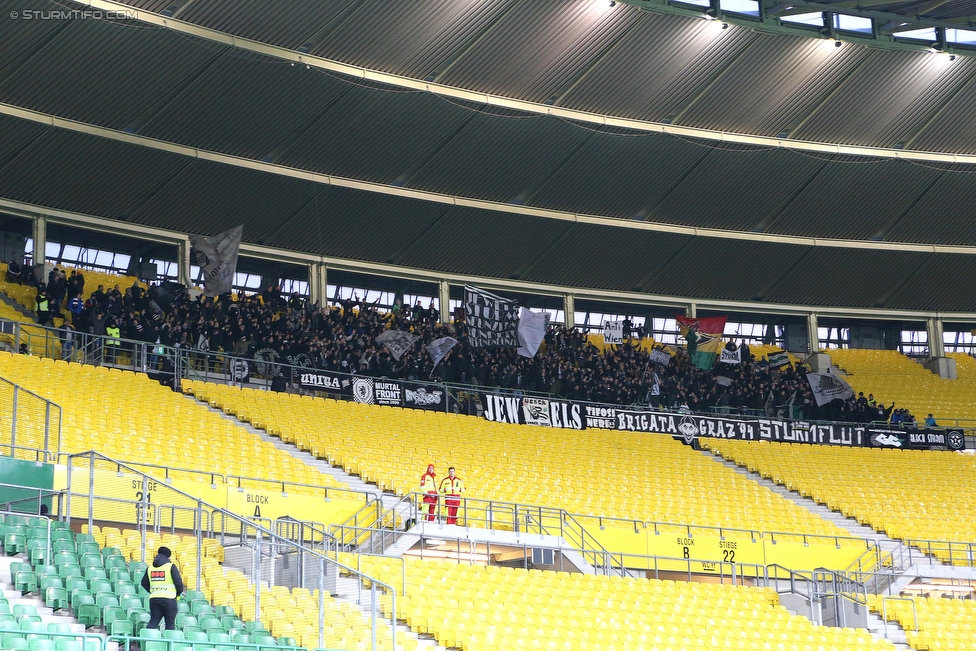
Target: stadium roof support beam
{"type": "Point", "coordinates": [39, 232]}
{"type": "Point", "coordinates": [434, 197]}
{"type": "Point", "coordinates": [585, 117]}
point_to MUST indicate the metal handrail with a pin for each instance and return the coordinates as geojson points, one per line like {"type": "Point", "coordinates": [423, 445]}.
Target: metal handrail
{"type": "Point", "coordinates": [225, 360]}
{"type": "Point", "coordinates": [884, 612]}
{"type": "Point", "coordinates": [200, 528]}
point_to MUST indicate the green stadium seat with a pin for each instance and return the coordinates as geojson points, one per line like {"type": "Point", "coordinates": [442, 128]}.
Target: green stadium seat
{"type": "Point", "coordinates": [68, 569]}
{"type": "Point", "coordinates": [100, 585]}
{"type": "Point", "coordinates": [94, 572]}
{"type": "Point", "coordinates": [56, 598]}
{"type": "Point", "coordinates": [65, 556]}
{"type": "Point", "coordinates": [79, 595]}
{"type": "Point", "coordinates": [25, 581]}
{"type": "Point", "coordinates": [14, 543]}
{"type": "Point", "coordinates": [54, 627]}
{"type": "Point", "coordinates": [62, 644]}
{"type": "Point", "coordinates": [87, 612]}
{"type": "Point", "coordinates": [11, 642]}
{"type": "Point", "coordinates": [41, 644]}
{"type": "Point", "coordinates": [20, 610]}
{"type": "Point", "coordinates": [45, 581]}
{"type": "Point", "coordinates": [87, 547]}
{"type": "Point", "coordinates": [58, 534]}
{"type": "Point", "coordinates": [32, 624]}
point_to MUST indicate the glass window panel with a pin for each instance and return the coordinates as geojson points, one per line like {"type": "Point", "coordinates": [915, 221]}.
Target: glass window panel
{"type": "Point", "coordinates": [927, 34]}
{"type": "Point", "coordinates": [964, 36]}
{"type": "Point", "coordinates": [815, 19]}
{"type": "Point", "coordinates": [748, 7]}
{"type": "Point", "coordinates": [853, 23]}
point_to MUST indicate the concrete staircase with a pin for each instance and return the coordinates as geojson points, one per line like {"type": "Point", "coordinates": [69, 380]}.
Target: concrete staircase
{"type": "Point", "coordinates": [47, 615]}
{"type": "Point", "coordinates": [349, 591]}
{"type": "Point", "coordinates": [17, 306]}
{"type": "Point", "coordinates": [389, 500]}
{"type": "Point", "coordinates": [856, 529]}
{"type": "Point", "coordinates": [895, 633]}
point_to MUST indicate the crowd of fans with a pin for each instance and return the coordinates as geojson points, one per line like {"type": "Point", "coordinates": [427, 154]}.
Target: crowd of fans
{"type": "Point", "coordinates": [273, 329]}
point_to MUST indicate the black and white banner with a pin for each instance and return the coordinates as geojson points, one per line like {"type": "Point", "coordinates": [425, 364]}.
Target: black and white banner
{"type": "Point", "coordinates": [421, 396]}
{"type": "Point", "coordinates": [326, 381]}
{"type": "Point", "coordinates": [690, 426]}
{"type": "Point", "coordinates": [217, 258]}
{"type": "Point", "coordinates": [951, 439]}
{"type": "Point", "coordinates": [397, 341]}
{"type": "Point", "coordinates": [376, 391]}
{"type": "Point", "coordinates": [492, 320]}
{"type": "Point", "coordinates": [827, 387]}
{"type": "Point", "coordinates": [560, 414]}
{"type": "Point", "coordinates": [439, 348]}
{"type": "Point", "coordinates": [733, 356]}
{"type": "Point", "coordinates": [659, 356]}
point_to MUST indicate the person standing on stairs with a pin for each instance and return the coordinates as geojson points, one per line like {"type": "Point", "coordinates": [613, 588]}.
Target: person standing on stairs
{"type": "Point", "coordinates": [164, 585]}
{"type": "Point", "coordinates": [451, 488]}
{"type": "Point", "coordinates": [428, 485]}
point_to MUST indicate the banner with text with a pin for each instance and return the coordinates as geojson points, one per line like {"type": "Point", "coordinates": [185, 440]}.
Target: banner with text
{"type": "Point", "coordinates": [692, 426]}
{"type": "Point", "coordinates": [492, 320]}
{"type": "Point", "coordinates": [544, 412]}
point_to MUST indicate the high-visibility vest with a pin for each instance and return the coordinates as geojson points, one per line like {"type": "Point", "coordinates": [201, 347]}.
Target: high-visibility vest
{"type": "Point", "coordinates": [113, 336]}
{"type": "Point", "coordinates": [42, 303]}
{"type": "Point", "coordinates": [452, 486]}
{"type": "Point", "coordinates": [427, 483]}
{"type": "Point", "coordinates": [161, 582]}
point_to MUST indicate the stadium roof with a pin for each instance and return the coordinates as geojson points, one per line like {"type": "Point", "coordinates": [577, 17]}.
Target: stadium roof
{"type": "Point", "coordinates": [563, 142]}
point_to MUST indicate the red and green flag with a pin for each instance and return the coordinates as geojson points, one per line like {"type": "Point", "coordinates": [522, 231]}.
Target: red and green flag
{"type": "Point", "coordinates": [704, 337]}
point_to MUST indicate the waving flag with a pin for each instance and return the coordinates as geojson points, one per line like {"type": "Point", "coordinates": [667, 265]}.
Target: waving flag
{"type": "Point", "coordinates": [704, 337]}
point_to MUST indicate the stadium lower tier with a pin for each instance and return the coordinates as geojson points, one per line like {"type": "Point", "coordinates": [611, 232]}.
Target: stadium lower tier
{"type": "Point", "coordinates": [479, 608]}
{"type": "Point", "coordinates": [931, 623]}
{"type": "Point", "coordinates": [616, 483]}
{"type": "Point", "coordinates": [909, 494]}
{"type": "Point", "coordinates": [129, 417]}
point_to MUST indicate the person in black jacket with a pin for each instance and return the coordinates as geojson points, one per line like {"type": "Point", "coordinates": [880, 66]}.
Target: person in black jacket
{"type": "Point", "coordinates": [165, 585]}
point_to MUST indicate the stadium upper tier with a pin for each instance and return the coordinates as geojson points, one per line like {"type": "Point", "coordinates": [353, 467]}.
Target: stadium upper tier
{"type": "Point", "coordinates": [634, 477]}
{"type": "Point", "coordinates": [893, 377]}
{"type": "Point", "coordinates": [909, 494]}
{"type": "Point", "coordinates": [471, 607]}
{"type": "Point", "coordinates": [129, 417]}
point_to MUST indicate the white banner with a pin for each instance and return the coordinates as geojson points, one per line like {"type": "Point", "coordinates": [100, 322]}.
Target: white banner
{"type": "Point", "coordinates": [827, 387]}
{"type": "Point", "coordinates": [659, 356]}
{"type": "Point", "coordinates": [397, 341]}
{"type": "Point", "coordinates": [613, 332]}
{"type": "Point", "coordinates": [439, 348]}
{"type": "Point", "coordinates": [535, 411]}
{"type": "Point", "coordinates": [731, 356]}
{"type": "Point", "coordinates": [217, 257]}
{"type": "Point", "coordinates": [531, 331]}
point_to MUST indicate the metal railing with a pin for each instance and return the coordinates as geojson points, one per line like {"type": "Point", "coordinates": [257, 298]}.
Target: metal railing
{"type": "Point", "coordinates": [173, 364]}
{"type": "Point", "coordinates": [28, 421]}
{"type": "Point", "coordinates": [264, 556]}
{"type": "Point", "coordinates": [884, 612]}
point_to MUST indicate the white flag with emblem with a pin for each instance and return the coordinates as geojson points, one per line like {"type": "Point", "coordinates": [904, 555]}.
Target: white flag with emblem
{"type": "Point", "coordinates": [397, 341]}
{"type": "Point", "coordinates": [439, 348]}
{"type": "Point", "coordinates": [217, 258]}
{"type": "Point", "coordinates": [827, 387]}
